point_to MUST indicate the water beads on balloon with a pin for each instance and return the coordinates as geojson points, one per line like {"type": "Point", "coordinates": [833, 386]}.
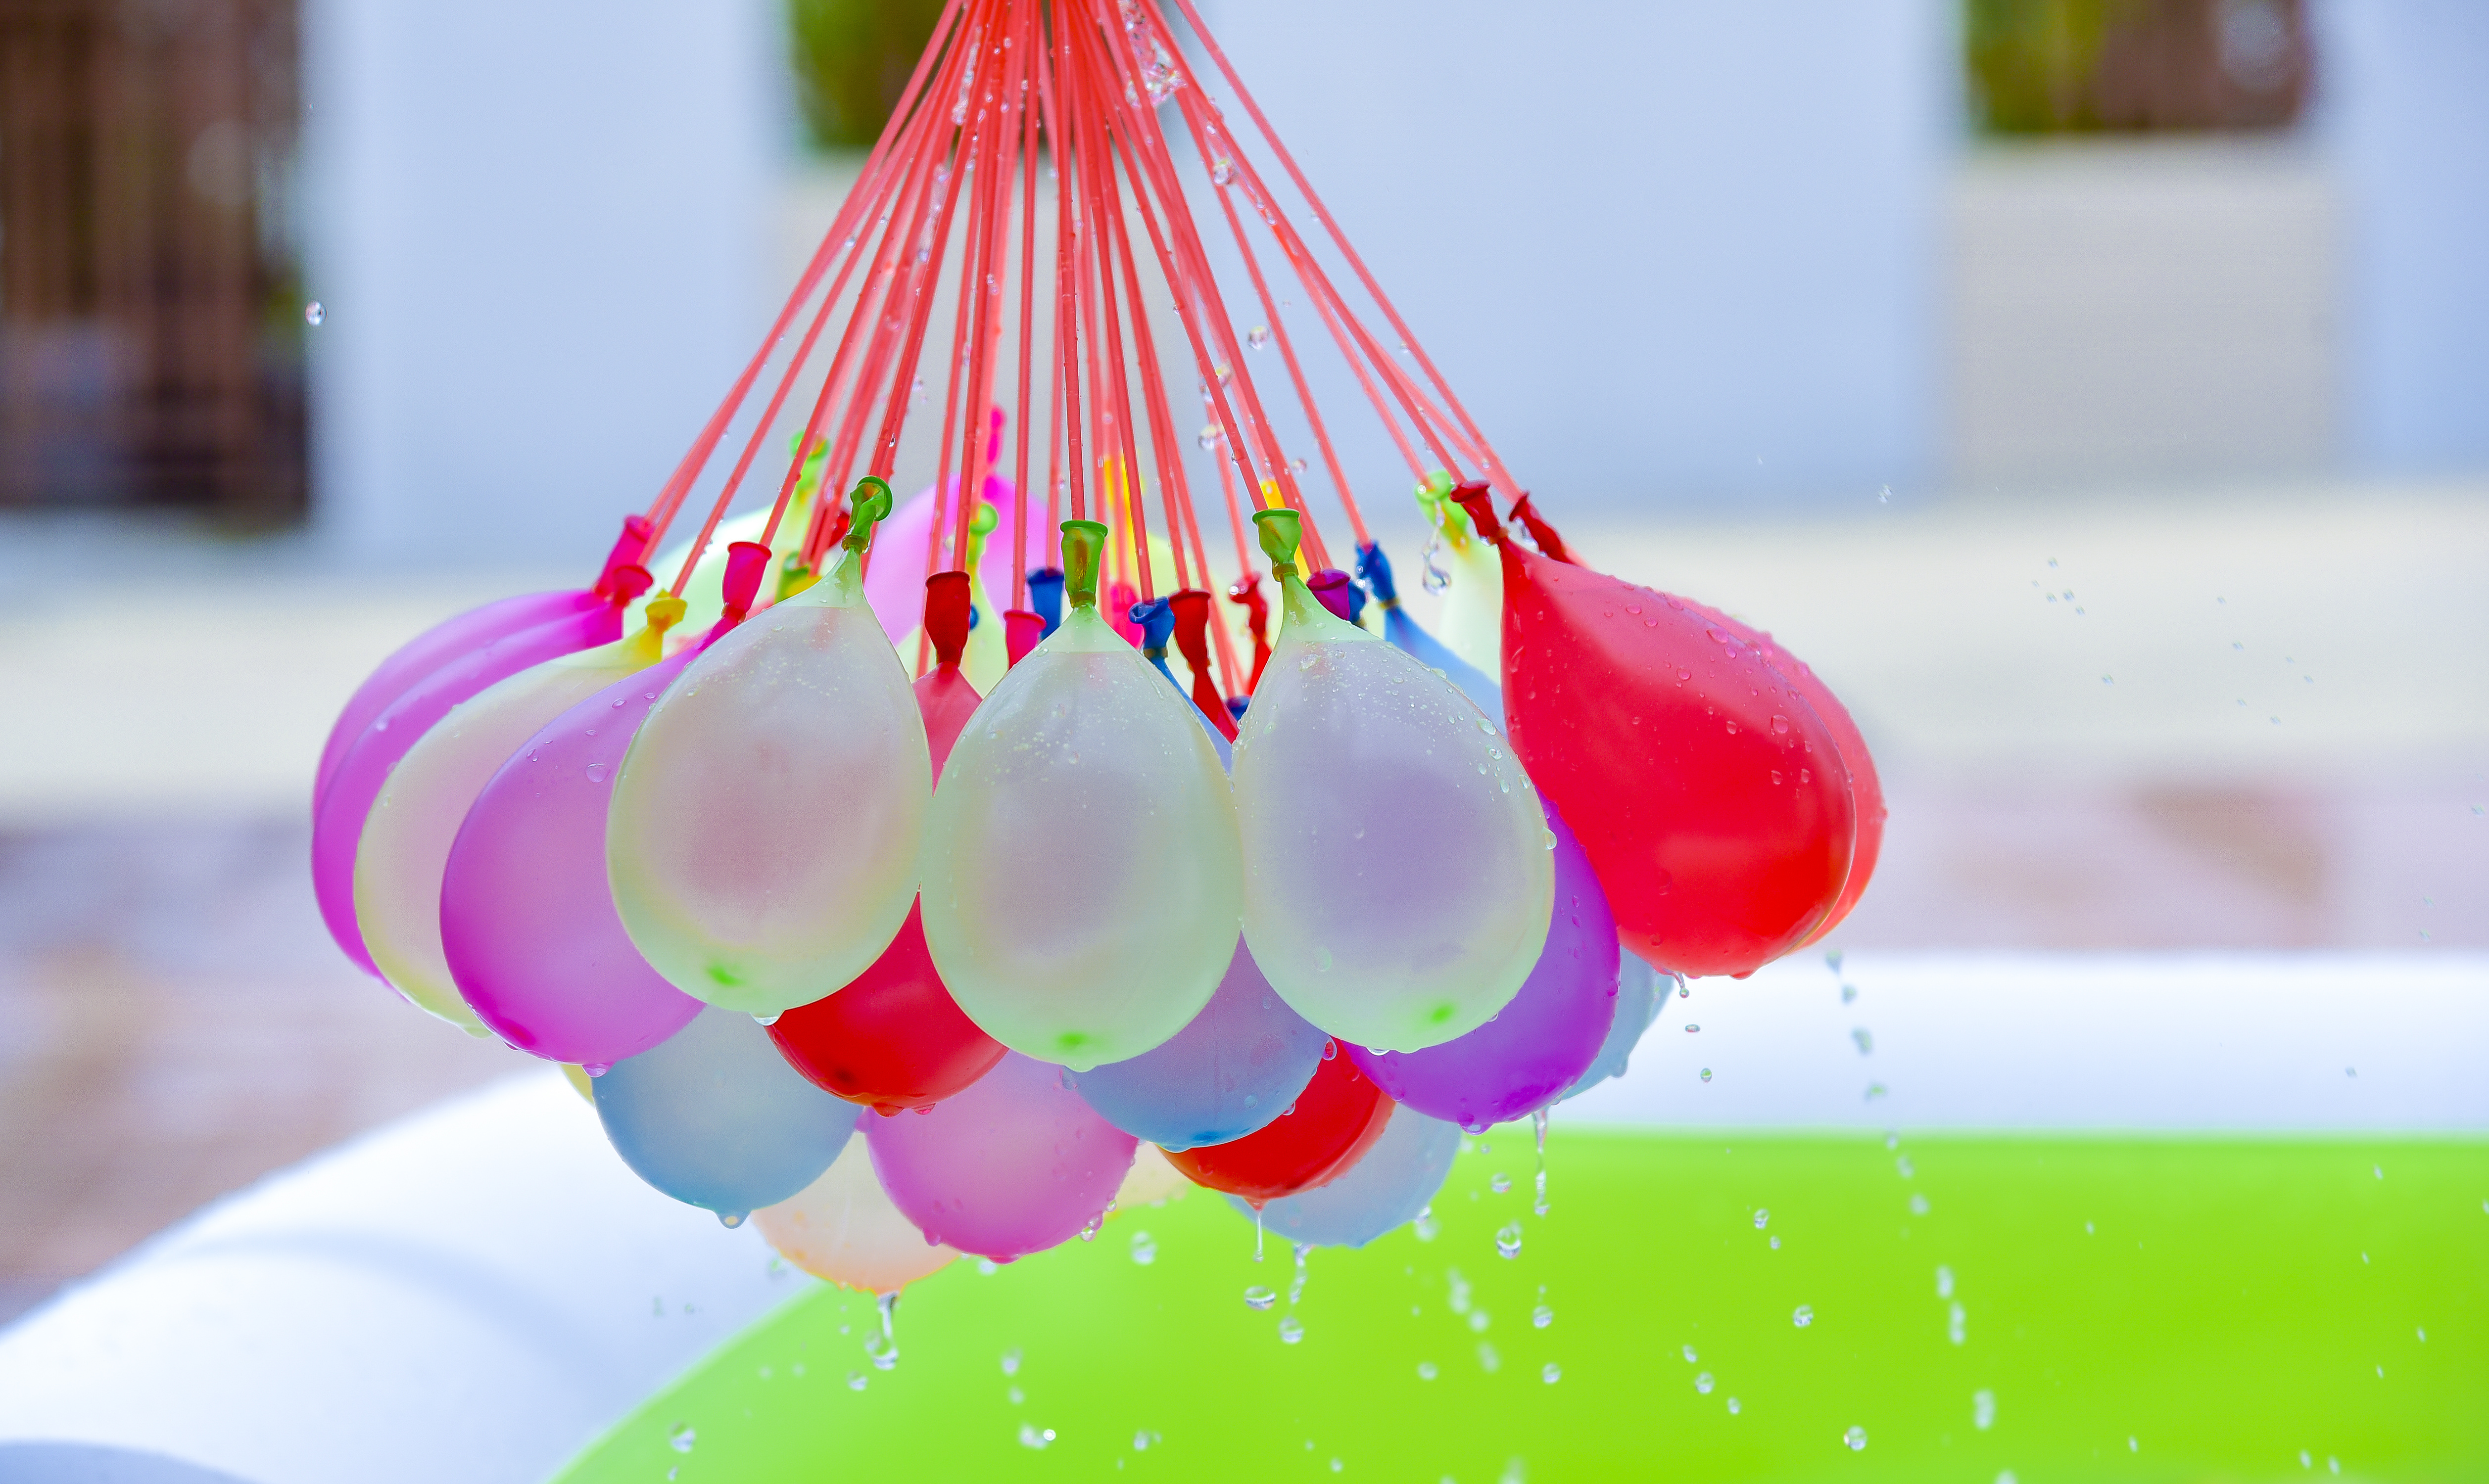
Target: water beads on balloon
{"type": "Point", "coordinates": [1397, 869]}
{"type": "Point", "coordinates": [765, 827]}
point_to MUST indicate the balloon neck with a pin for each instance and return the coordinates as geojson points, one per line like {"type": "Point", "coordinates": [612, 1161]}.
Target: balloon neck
{"type": "Point", "coordinates": [869, 505]}
{"type": "Point", "coordinates": [1281, 531]}
{"type": "Point", "coordinates": [1474, 499]}
{"type": "Point", "coordinates": [1375, 570]}
{"type": "Point", "coordinates": [981, 525]}
{"type": "Point", "coordinates": [946, 603]}
{"type": "Point", "coordinates": [746, 562]}
{"type": "Point", "coordinates": [630, 549]}
{"type": "Point", "coordinates": [1085, 543]}
{"type": "Point", "coordinates": [1045, 599]}
{"type": "Point", "coordinates": [662, 613]}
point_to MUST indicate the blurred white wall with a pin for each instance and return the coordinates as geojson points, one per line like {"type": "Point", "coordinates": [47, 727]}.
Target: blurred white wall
{"type": "Point", "coordinates": [2405, 106]}
{"type": "Point", "coordinates": [540, 233]}
{"type": "Point", "coordinates": [1668, 249]}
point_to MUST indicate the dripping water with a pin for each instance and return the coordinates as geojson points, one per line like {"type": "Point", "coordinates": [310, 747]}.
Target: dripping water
{"type": "Point", "coordinates": [884, 1349]}
{"type": "Point", "coordinates": [1296, 1290]}
{"type": "Point", "coordinates": [1539, 1119]}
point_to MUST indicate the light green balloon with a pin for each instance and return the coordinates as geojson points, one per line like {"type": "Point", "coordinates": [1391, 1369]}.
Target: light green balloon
{"type": "Point", "coordinates": [1397, 870]}
{"type": "Point", "coordinates": [1082, 883]}
{"type": "Point", "coordinates": [768, 821]}
{"type": "Point", "coordinates": [1473, 619]}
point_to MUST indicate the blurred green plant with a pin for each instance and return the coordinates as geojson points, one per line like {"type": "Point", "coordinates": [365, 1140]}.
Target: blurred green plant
{"type": "Point", "coordinates": [2052, 66]}
{"type": "Point", "coordinates": [852, 59]}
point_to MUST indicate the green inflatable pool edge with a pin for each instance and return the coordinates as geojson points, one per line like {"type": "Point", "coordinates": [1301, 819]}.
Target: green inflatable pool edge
{"type": "Point", "coordinates": [1761, 1306]}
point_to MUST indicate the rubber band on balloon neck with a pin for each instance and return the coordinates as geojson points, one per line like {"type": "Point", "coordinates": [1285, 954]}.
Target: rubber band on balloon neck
{"type": "Point", "coordinates": [1281, 531]}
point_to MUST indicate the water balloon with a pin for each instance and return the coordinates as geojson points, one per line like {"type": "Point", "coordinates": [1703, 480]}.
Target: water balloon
{"type": "Point", "coordinates": [1387, 1188]}
{"type": "Point", "coordinates": [1405, 633]}
{"type": "Point", "coordinates": [1082, 884]}
{"type": "Point", "coordinates": [1473, 612]}
{"type": "Point", "coordinates": [1711, 797]}
{"type": "Point", "coordinates": [1536, 1046]}
{"type": "Point", "coordinates": [1397, 874]}
{"type": "Point", "coordinates": [762, 845]}
{"type": "Point", "coordinates": [1332, 1123]}
{"type": "Point", "coordinates": [713, 1118]}
{"type": "Point", "coordinates": [406, 839]}
{"type": "Point", "coordinates": [843, 1229]}
{"type": "Point", "coordinates": [1013, 1165]}
{"type": "Point", "coordinates": [1238, 1066]}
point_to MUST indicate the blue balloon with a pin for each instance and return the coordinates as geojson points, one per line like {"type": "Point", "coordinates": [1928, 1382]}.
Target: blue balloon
{"type": "Point", "coordinates": [714, 1117]}
{"type": "Point", "coordinates": [1640, 998]}
{"type": "Point", "coordinates": [1235, 1067]}
{"type": "Point", "coordinates": [1386, 1189]}
{"type": "Point", "coordinates": [1424, 647]}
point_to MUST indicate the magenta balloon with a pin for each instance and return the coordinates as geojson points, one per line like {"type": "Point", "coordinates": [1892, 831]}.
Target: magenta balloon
{"type": "Point", "coordinates": [337, 827]}
{"type": "Point", "coordinates": [527, 919]}
{"type": "Point", "coordinates": [1013, 1165]}
{"type": "Point", "coordinates": [1536, 1046]}
{"type": "Point", "coordinates": [428, 651]}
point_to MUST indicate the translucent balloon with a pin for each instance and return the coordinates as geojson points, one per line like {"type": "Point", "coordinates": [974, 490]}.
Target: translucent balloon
{"type": "Point", "coordinates": [1536, 1046]}
{"type": "Point", "coordinates": [1332, 1123]}
{"type": "Point", "coordinates": [765, 826]}
{"type": "Point", "coordinates": [1238, 1066]}
{"type": "Point", "coordinates": [526, 922]}
{"type": "Point", "coordinates": [1473, 621]}
{"type": "Point", "coordinates": [1389, 1187]}
{"type": "Point", "coordinates": [1711, 799]}
{"type": "Point", "coordinates": [1013, 1165]}
{"type": "Point", "coordinates": [842, 1228]}
{"type": "Point", "coordinates": [1397, 870]}
{"type": "Point", "coordinates": [1641, 995]}
{"type": "Point", "coordinates": [713, 1118]}
{"type": "Point", "coordinates": [893, 1039]}
{"type": "Point", "coordinates": [337, 829]}
{"type": "Point", "coordinates": [1082, 885]}
{"type": "Point", "coordinates": [406, 840]}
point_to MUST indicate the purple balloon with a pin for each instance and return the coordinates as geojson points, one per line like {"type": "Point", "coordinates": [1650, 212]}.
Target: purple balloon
{"type": "Point", "coordinates": [419, 657]}
{"type": "Point", "coordinates": [337, 828]}
{"type": "Point", "coordinates": [526, 917]}
{"type": "Point", "coordinates": [1536, 1046]}
{"type": "Point", "coordinates": [1013, 1165]}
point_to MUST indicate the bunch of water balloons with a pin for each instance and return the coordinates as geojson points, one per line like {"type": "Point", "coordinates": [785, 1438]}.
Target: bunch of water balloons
{"type": "Point", "coordinates": [1030, 902]}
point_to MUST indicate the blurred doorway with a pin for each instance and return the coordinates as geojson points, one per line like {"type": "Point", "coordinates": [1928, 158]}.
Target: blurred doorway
{"type": "Point", "coordinates": [150, 319]}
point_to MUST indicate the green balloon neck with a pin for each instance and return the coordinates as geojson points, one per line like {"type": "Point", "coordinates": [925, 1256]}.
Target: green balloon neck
{"type": "Point", "coordinates": [1084, 544]}
{"type": "Point", "coordinates": [842, 584]}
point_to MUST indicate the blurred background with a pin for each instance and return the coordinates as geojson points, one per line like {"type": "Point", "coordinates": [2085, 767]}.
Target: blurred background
{"type": "Point", "coordinates": [2095, 392]}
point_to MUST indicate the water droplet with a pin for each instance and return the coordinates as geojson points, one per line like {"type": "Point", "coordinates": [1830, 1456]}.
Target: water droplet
{"type": "Point", "coordinates": [314, 312]}
{"type": "Point", "coordinates": [597, 1068]}
{"type": "Point", "coordinates": [1551, 1373]}
{"type": "Point", "coordinates": [1856, 1439]}
{"type": "Point", "coordinates": [1427, 1370]}
{"type": "Point", "coordinates": [1983, 1410]}
{"type": "Point", "coordinates": [1918, 1204]}
{"type": "Point", "coordinates": [1507, 1240]}
{"type": "Point", "coordinates": [1733, 1407]}
{"type": "Point", "coordinates": [855, 1380]}
{"type": "Point", "coordinates": [1691, 1029]}
{"type": "Point", "coordinates": [682, 1438]}
{"type": "Point", "coordinates": [1142, 1440]}
{"type": "Point", "coordinates": [730, 1219]}
{"type": "Point", "coordinates": [1031, 1436]}
{"type": "Point", "coordinates": [1500, 1183]}
{"type": "Point", "coordinates": [1258, 336]}
{"type": "Point", "coordinates": [1803, 1316]}
{"type": "Point", "coordinates": [1221, 170]}
{"type": "Point", "coordinates": [1291, 1330]}
{"type": "Point", "coordinates": [1944, 1282]}
{"type": "Point", "coordinates": [596, 772]}
{"type": "Point", "coordinates": [1690, 1356]}
{"type": "Point", "coordinates": [1704, 1383]}
{"type": "Point", "coordinates": [1259, 1297]}
{"type": "Point", "coordinates": [1706, 1073]}
{"type": "Point", "coordinates": [1763, 1217]}
{"type": "Point", "coordinates": [1145, 1251]}
{"type": "Point", "coordinates": [1010, 1361]}
{"type": "Point", "coordinates": [1543, 1316]}
{"type": "Point", "coordinates": [1781, 724]}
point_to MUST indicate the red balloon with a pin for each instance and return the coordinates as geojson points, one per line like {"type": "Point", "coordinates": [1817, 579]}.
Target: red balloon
{"type": "Point", "coordinates": [1710, 796]}
{"type": "Point", "coordinates": [893, 1038]}
{"type": "Point", "coordinates": [1337, 1119]}
{"type": "Point", "coordinates": [1866, 789]}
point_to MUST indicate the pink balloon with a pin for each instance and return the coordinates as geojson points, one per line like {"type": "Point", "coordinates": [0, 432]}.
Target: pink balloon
{"type": "Point", "coordinates": [895, 583]}
{"type": "Point", "coordinates": [527, 919]}
{"type": "Point", "coordinates": [1013, 1166]}
{"type": "Point", "coordinates": [428, 651]}
{"type": "Point", "coordinates": [337, 827]}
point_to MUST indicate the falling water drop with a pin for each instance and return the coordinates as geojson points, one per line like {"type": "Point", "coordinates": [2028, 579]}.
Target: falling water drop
{"type": "Point", "coordinates": [1258, 336]}
{"type": "Point", "coordinates": [1507, 1240]}
{"type": "Point", "coordinates": [1803, 1316]}
{"type": "Point", "coordinates": [1291, 1330]}
{"type": "Point", "coordinates": [1258, 1297]}
{"type": "Point", "coordinates": [313, 313]}
{"type": "Point", "coordinates": [1856, 1439]}
{"type": "Point", "coordinates": [883, 1348]}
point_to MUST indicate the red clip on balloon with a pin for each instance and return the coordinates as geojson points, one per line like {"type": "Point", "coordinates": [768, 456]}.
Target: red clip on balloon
{"type": "Point", "coordinates": [1712, 800]}
{"type": "Point", "coordinates": [1336, 1119]}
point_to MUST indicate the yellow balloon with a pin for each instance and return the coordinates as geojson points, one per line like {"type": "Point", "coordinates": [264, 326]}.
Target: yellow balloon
{"type": "Point", "coordinates": [844, 1229]}
{"type": "Point", "coordinates": [406, 840]}
{"type": "Point", "coordinates": [763, 839]}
